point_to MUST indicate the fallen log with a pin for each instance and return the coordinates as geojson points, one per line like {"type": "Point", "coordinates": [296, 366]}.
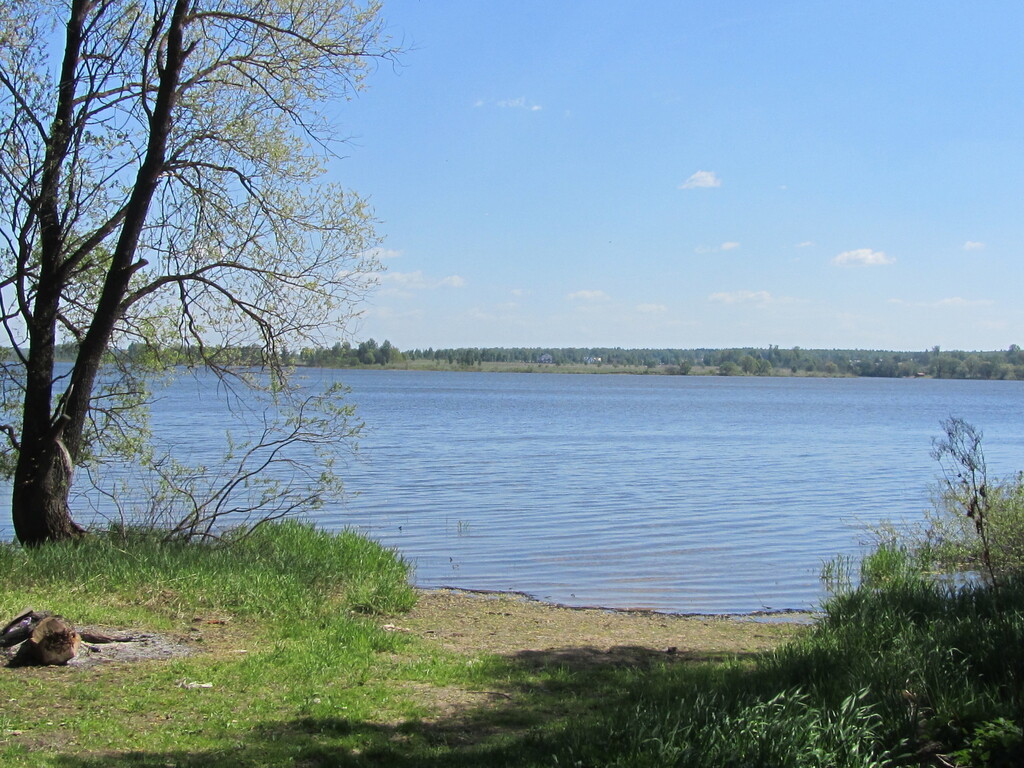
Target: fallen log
{"type": "Point", "coordinates": [95, 636]}
{"type": "Point", "coordinates": [19, 628]}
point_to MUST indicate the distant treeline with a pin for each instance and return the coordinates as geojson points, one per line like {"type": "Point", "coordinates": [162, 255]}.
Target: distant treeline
{"type": "Point", "coordinates": [1007, 364]}
{"type": "Point", "coordinates": [749, 361]}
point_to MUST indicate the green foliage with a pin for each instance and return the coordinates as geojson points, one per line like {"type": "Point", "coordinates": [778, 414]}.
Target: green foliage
{"type": "Point", "coordinates": [282, 465]}
{"type": "Point", "coordinates": [951, 539]}
{"type": "Point", "coordinates": [728, 368]}
{"type": "Point", "coordinates": [975, 528]}
{"type": "Point", "coordinates": [164, 201]}
{"type": "Point", "coordinates": [998, 743]}
{"type": "Point", "coordinates": [727, 728]}
{"type": "Point", "coordinates": [274, 571]}
{"type": "Point", "coordinates": [749, 361]}
{"type": "Point", "coordinates": [895, 673]}
{"type": "Point", "coordinates": [901, 670]}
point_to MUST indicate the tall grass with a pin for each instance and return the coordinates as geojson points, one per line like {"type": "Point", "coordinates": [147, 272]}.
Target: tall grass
{"type": "Point", "coordinates": [286, 569]}
{"type": "Point", "coordinates": [903, 669]}
{"type": "Point", "coordinates": [276, 624]}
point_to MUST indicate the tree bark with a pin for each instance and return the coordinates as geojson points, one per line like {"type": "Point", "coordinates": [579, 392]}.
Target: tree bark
{"type": "Point", "coordinates": [39, 501]}
{"type": "Point", "coordinates": [51, 439]}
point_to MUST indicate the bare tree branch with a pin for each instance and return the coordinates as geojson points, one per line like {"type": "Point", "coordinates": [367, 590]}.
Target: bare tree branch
{"type": "Point", "coordinates": [161, 183]}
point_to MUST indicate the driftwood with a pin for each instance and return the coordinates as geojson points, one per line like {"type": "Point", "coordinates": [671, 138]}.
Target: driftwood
{"type": "Point", "coordinates": [20, 628]}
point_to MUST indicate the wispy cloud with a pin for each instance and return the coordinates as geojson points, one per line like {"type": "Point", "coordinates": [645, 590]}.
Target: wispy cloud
{"type": "Point", "coordinates": [863, 257]}
{"type": "Point", "coordinates": [973, 245]}
{"type": "Point", "coordinates": [741, 297]}
{"type": "Point", "coordinates": [805, 244]}
{"type": "Point", "coordinates": [953, 302]}
{"type": "Point", "coordinates": [728, 246]}
{"type": "Point", "coordinates": [651, 309]}
{"type": "Point", "coordinates": [586, 295]}
{"type": "Point", "coordinates": [702, 180]}
{"type": "Point", "coordinates": [382, 254]}
{"type": "Point", "coordinates": [520, 103]}
{"type": "Point", "coordinates": [390, 313]}
{"type": "Point", "coordinates": [417, 281]}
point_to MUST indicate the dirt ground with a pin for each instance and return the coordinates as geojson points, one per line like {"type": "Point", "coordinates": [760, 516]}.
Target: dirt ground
{"type": "Point", "coordinates": [511, 624]}
{"type": "Point", "coordinates": [589, 643]}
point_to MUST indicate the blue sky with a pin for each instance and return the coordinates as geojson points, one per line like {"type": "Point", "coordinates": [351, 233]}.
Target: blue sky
{"type": "Point", "coordinates": [695, 174]}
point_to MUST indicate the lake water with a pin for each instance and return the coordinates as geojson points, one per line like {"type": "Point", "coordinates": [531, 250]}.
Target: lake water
{"type": "Point", "coordinates": [679, 494]}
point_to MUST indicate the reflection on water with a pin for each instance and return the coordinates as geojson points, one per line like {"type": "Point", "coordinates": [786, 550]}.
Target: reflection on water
{"type": "Point", "coordinates": [674, 494]}
{"type": "Point", "coordinates": [682, 494]}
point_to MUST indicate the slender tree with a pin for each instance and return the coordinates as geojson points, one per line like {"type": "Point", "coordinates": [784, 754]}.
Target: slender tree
{"type": "Point", "coordinates": [161, 169]}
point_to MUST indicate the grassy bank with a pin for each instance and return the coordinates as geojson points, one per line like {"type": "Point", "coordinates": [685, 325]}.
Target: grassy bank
{"type": "Point", "coordinates": [912, 672]}
{"type": "Point", "coordinates": [305, 654]}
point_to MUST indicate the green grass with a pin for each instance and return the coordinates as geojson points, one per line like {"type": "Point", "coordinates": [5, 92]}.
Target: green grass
{"type": "Point", "coordinates": [278, 571]}
{"type": "Point", "coordinates": [897, 671]}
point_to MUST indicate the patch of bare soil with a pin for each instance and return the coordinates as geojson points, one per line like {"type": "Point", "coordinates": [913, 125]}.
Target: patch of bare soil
{"type": "Point", "coordinates": [130, 647]}
{"type": "Point", "coordinates": [142, 646]}
{"type": "Point", "coordinates": [590, 643]}
{"type": "Point", "coordinates": [511, 624]}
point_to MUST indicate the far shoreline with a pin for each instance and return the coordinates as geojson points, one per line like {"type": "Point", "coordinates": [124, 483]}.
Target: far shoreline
{"type": "Point", "coordinates": [610, 369]}
{"type": "Point", "coordinates": [583, 370]}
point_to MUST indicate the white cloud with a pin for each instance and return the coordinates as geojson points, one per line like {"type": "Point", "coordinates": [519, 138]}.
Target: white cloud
{"type": "Point", "coordinates": [587, 295]}
{"type": "Point", "coordinates": [417, 281]}
{"type": "Point", "coordinates": [702, 180]}
{"type": "Point", "coordinates": [973, 245]}
{"type": "Point", "coordinates": [381, 254]}
{"type": "Point", "coordinates": [805, 244]}
{"type": "Point", "coordinates": [520, 103]}
{"type": "Point", "coordinates": [728, 246]}
{"type": "Point", "coordinates": [406, 279]}
{"type": "Point", "coordinates": [959, 301]}
{"type": "Point", "coordinates": [741, 297]}
{"type": "Point", "coordinates": [864, 257]}
{"type": "Point", "coordinates": [651, 309]}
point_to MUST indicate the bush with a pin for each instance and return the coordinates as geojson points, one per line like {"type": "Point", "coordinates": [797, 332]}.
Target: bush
{"type": "Point", "coordinates": [951, 538]}
{"type": "Point", "coordinates": [975, 529]}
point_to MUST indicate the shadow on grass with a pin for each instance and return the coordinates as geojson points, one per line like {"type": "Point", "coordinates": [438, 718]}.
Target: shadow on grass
{"type": "Point", "coordinates": [901, 676]}
{"type": "Point", "coordinates": [515, 715]}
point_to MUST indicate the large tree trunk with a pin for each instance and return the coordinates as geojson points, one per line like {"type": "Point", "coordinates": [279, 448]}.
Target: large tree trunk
{"type": "Point", "coordinates": [39, 498]}
{"type": "Point", "coordinates": [51, 439]}
{"type": "Point", "coordinates": [42, 475]}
